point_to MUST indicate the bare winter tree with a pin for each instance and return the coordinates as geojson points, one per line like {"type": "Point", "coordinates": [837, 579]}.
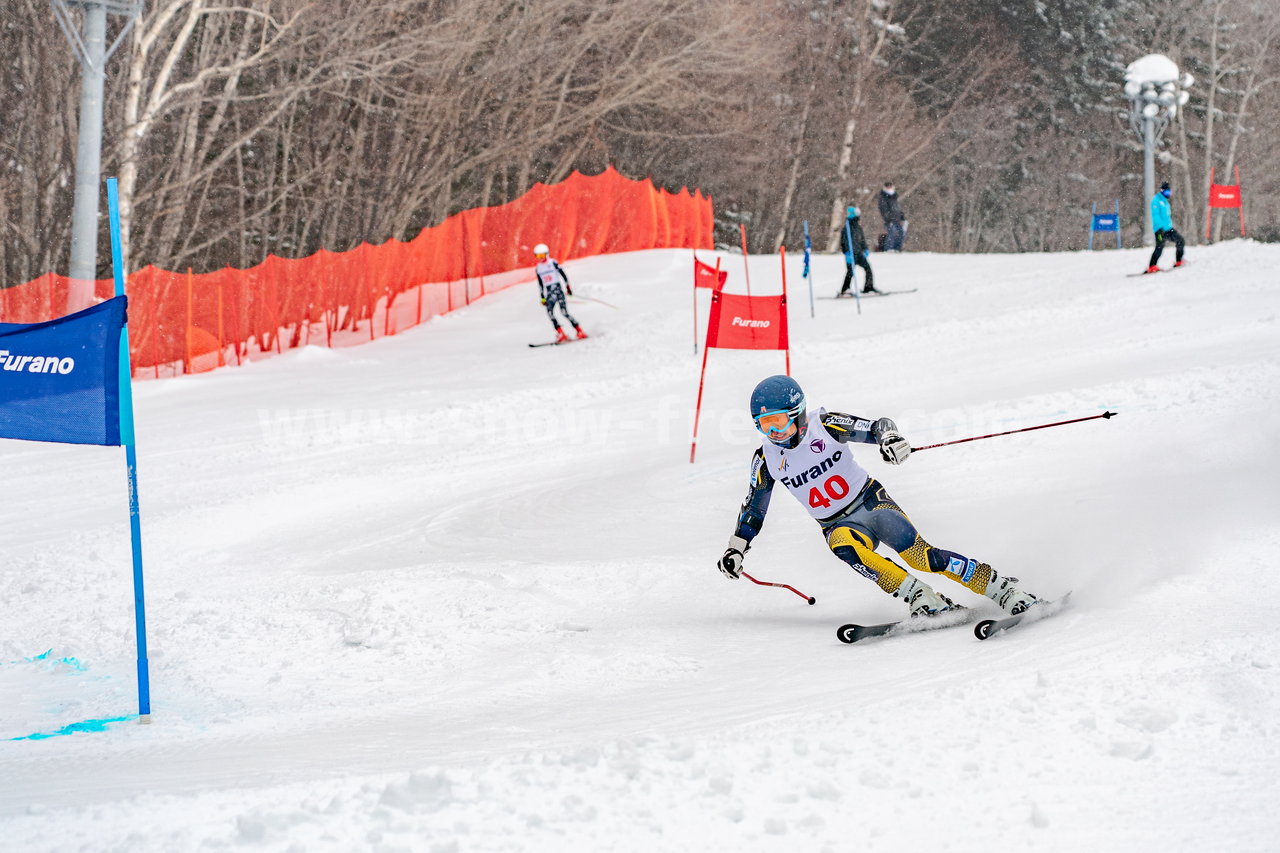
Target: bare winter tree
{"type": "Point", "coordinates": [240, 128]}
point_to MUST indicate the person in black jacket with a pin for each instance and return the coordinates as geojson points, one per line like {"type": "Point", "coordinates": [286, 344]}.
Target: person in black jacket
{"type": "Point", "coordinates": [895, 221]}
{"type": "Point", "coordinates": [853, 242]}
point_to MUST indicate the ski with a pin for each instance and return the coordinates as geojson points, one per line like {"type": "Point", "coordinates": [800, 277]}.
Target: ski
{"type": "Point", "coordinates": [1153, 272]}
{"type": "Point", "coordinates": [988, 628]}
{"type": "Point", "coordinates": [873, 293]}
{"type": "Point", "coordinates": [569, 341]}
{"type": "Point", "coordinates": [853, 633]}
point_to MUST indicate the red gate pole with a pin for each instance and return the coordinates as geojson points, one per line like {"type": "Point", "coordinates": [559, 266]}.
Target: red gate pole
{"type": "Point", "coordinates": [695, 301]}
{"type": "Point", "coordinates": [1240, 194]}
{"type": "Point", "coordinates": [1208, 207]}
{"type": "Point", "coordinates": [697, 414]}
{"type": "Point", "coordinates": [742, 229]}
{"type": "Point", "coordinates": [782, 250]}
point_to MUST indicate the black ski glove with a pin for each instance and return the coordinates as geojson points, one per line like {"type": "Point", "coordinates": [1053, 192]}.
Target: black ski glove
{"type": "Point", "coordinates": [730, 564]}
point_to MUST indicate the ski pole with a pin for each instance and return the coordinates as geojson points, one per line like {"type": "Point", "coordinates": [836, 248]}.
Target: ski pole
{"type": "Point", "coordinates": [593, 299]}
{"type": "Point", "coordinates": [808, 598]}
{"type": "Point", "coordinates": [1012, 431]}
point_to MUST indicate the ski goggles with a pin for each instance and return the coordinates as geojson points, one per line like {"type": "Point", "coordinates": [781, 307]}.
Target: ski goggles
{"type": "Point", "coordinates": [775, 423]}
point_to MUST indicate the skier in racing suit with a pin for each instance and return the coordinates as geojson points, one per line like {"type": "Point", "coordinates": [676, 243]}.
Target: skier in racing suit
{"type": "Point", "coordinates": [811, 455]}
{"type": "Point", "coordinates": [550, 278]}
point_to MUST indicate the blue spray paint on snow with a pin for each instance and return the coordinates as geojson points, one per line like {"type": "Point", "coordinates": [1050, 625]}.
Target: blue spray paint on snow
{"type": "Point", "coordinates": [47, 656]}
{"type": "Point", "coordinates": [75, 728]}
{"type": "Point", "coordinates": [69, 666]}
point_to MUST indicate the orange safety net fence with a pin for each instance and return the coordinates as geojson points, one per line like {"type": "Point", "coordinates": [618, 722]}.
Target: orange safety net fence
{"type": "Point", "coordinates": [181, 322]}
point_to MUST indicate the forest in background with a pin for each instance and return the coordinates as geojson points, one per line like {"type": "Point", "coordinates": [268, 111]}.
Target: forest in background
{"type": "Point", "coordinates": [239, 128]}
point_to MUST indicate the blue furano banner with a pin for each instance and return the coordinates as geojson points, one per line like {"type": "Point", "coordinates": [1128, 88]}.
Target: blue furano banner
{"type": "Point", "coordinates": [60, 380]}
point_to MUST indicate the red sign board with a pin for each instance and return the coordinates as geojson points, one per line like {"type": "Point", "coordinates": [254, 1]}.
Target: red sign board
{"type": "Point", "coordinates": [1224, 195]}
{"type": "Point", "coordinates": [747, 322]}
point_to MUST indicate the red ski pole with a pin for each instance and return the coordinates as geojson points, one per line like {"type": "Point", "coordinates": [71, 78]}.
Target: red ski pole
{"type": "Point", "coordinates": [1107, 415]}
{"type": "Point", "coordinates": [808, 598]}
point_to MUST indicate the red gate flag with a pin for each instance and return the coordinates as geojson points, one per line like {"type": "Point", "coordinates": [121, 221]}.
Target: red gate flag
{"type": "Point", "coordinates": [1224, 195]}
{"type": "Point", "coordinates": [705, 275]}
{"type": "Point", "coordinates": [747, 322]}
{"type": "Point", "coordinates": [743, 322]}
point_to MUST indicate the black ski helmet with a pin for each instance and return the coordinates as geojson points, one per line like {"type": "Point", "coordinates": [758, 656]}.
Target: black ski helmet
{"type": "Point", "coordinates": [781, 394]}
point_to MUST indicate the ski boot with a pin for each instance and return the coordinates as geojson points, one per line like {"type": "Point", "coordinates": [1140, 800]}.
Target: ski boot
{"type": "Point", "coordinates": [922, 599]}
{"type": "Point", "coordinates": [581, 334]}
{"type": "Point", "coordinates": [1003, 590]}
{"type": "Point", "coordinates": [561, 337]}
{"type": "Point", "coordinates": [1179, 263]}
{"type": "Point", "coordinates": [1153, 268]}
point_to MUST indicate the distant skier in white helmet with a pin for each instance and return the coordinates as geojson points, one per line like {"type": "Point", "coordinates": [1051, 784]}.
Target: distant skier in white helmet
{"type": "Point", "coordinates": [550, 278]}
{"type": "Point", "coordinates": [809, 453]}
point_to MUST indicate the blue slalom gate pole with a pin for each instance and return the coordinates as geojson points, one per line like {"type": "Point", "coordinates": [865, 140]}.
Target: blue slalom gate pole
{"type": "Point", "coordinates": [131, 462]}
{"type": "Point", "coordinates": [808, 273]}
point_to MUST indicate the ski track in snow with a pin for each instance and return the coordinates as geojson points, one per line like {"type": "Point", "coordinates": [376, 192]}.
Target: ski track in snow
{"type": "Point", "coordinates": [444, 592]}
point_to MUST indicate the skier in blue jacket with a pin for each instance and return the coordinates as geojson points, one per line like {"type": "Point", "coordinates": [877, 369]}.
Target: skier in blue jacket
{"type": "Point", "coordinates": [1162, 224]}
{"type": "Point", "coordinates": [853, 242]}
{"type": "Point", "coordinates": [811, 455]}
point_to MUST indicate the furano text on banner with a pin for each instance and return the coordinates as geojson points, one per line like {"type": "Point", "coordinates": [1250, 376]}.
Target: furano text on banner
{"type": "Point", "coordinates": [60, 380]}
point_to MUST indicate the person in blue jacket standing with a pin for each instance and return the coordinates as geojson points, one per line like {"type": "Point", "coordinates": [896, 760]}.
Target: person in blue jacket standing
{"type": "Point", "coordinates": [1162, 224]}
{"type": "Point", "coordinates": [853, 242]}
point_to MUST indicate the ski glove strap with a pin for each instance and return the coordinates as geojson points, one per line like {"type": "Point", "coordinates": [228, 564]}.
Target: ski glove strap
{"type": "Point", "coordinates": [894, 449]}
{"type": "Point", "coordinates": [730, 564]}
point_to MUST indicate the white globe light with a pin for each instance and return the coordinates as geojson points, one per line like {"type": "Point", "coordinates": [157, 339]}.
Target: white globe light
{"type": "Point", "coordinates": [1151, 111]}
{"type": "Point", "coordinates": [1187, 80]}
{"type": "Point", "coordinates": [1132, 88]}
{"type": "Point", "coordinates": [1173, 111]}
{"type": "Point", "coordinates": [1167, 98]}
{"type": "Point", "coordinates": [1183, 97]}
{"type": "Point", "coordinates": [1154, 68]}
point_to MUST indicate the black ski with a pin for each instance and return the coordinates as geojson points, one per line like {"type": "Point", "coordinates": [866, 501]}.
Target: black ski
{"type": "Point", "coordinates": [853, 632]}
{"type": "Point", "coordinates": [988, 628]}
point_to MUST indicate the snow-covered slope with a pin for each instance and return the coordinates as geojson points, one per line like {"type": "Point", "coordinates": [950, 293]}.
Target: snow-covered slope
{"type": "Point", "coordinates": [446, 592]}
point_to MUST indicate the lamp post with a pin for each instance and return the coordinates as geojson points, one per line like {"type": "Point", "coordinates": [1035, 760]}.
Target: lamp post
{"type": "Point", "coordinates": [93, 52]}
{"type": "Point", "coordinates": [1156, 89]}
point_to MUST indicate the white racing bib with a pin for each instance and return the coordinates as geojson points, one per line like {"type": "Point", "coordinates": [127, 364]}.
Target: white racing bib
{"type": "Point", "coordinates": [547, 273]}
{"type": "Point", "coordinates": [820, 472]}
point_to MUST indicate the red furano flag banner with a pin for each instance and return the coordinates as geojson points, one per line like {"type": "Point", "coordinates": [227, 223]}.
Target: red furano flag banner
{"type": "Point", "coordinates": [1223, 196]}
{"type": "Point", "coordinates": [747, 322]}
{"type": "Point", "coordinates": [743, 322]}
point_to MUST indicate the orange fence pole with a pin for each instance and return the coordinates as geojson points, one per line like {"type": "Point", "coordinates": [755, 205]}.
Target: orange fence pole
{"type": "Point", "coordinates": [222, 362]}
{"type": "Point", "coordinates": [186, 364]}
